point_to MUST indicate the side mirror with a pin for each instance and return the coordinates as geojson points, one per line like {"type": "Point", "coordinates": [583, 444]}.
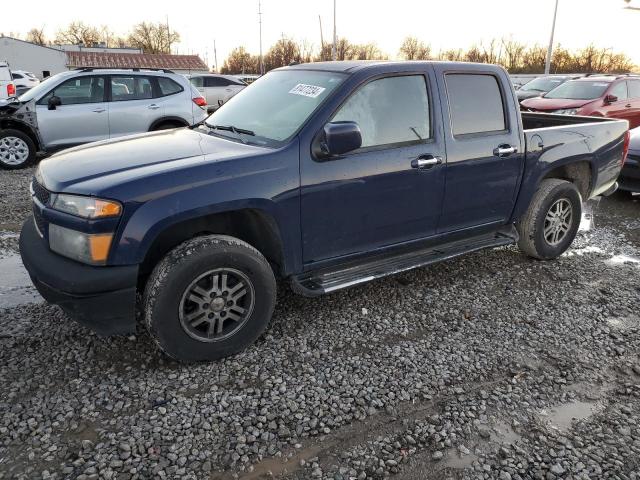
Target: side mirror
{"type": "Point", "coordinates": [340, 138]}
{"type": "Point", "coordinates": [54, 102]}
{"type": "Point", "coordinates": [610, 99]}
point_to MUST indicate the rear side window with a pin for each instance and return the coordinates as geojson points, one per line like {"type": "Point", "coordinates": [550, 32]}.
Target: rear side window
{"type": "Point", "coordinates": [389, 110]}
{"type": "Point", "coordinates": [216, 82]}
{"type": "Point", "coordinates": [16, 76]}
{"type": "Point", "coordinates": [130, 88]}
{"type": "Point", "coordinates": [168, 86]}
{"type": "Point", "coordinates": [619, 90]}
{"type": "Point", "coordinates": [634, 88]}
{"type": "Point", "coordinates": [475, 103]}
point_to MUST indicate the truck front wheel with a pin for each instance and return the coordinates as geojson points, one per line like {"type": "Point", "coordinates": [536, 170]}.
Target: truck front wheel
{"type": "Point", "coordinates": [208, 298]}
{"type": "Point", "coordinates": [551, 221]}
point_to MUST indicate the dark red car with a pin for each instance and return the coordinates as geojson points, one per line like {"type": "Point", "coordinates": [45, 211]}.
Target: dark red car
{"type": "Point", "coordinates": [614, 96]}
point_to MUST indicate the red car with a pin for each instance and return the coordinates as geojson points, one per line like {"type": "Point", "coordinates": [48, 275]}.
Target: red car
{"type": "Point", "coordinates": [614, 96]}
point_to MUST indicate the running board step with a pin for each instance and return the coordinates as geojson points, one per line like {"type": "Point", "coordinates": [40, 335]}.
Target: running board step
{"type": "Point", "coordinates": [328, 280]}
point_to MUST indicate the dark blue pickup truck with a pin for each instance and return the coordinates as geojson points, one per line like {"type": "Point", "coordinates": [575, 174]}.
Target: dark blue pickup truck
{"type": "Point", "coordinates": [325, 175]}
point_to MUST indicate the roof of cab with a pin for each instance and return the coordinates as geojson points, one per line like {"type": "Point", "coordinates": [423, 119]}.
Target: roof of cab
{"type": "Point", "coordinates": [351, 66]}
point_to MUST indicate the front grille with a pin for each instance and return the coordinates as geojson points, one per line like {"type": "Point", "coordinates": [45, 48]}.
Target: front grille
{"type": "Point", "coordinates": [42, 194]}
{"type": "Point", "coordinates": [41, 223]}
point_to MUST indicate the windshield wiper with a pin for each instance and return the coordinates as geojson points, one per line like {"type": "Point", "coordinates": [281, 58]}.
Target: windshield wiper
{"type": "Point", "coordinates": [230, 128]}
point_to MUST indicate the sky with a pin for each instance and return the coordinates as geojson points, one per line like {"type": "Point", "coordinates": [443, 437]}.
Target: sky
{"type": "Point", "coordinates": [443, 24]}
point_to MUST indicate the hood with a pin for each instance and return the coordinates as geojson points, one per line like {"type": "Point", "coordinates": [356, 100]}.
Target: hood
{"type": "Point", "coordinates": [94, 167]}
{"type": "Point", "coordinates": [547, 104]}
{"type": "Point", "coordinates": [525, 94]}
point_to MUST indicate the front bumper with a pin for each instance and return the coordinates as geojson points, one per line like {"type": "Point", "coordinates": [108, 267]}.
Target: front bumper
{"type": "Point", "coordinates": [629, 178]}
{"type": "Point", "coordinates": [102, 298]}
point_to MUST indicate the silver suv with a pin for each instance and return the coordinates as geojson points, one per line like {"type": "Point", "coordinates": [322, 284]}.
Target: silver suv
{"type": "Point", "coordinates": [89, 105]}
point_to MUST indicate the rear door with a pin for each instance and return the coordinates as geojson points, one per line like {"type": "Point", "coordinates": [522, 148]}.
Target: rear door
{"type": "Point", "coordinates": [633, 87]}
{"type": "Point", "coordinates": [484, 153]}
{"type": "Point", "coordinates": [82, 117]}
{"type": "Point", "coordinates": [390, 190]}
{"type": "Point", "coordinates": [133, 107]}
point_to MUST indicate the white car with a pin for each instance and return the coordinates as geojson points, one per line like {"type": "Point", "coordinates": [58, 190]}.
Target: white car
{"type": "Point", "coordinates": [217, 89]}
{"type": "Point", "coordinates": [24, 80]}
{"type": "Point", "coordinates": [7, 87]}
{"type": "Point", "coordinates": [89, 105]}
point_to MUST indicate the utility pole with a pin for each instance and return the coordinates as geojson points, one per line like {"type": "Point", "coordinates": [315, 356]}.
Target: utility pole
{"type": "Point", "coordinates": [260, 22]}
{"type": "Point", "coordinates": [215, 54]}
{"type": "Point", "coordinates": [335, 39]}
{"type": "Point", "coordinates": [321, 38]}
{"type": "Point", "coordinates": [547, 66]}
{"type": "Point", "coordinates": [168, 34]}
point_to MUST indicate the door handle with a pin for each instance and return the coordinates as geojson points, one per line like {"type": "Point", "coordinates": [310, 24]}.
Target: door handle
{"type": "Point", "coordinates": [504, 150]}
{"type": "Point", "coordinates": [426, 161]}
{"type": "Point", "coordinates": [153, 106]}
{"type": "Point", "coordinates": [628, 105]}
{"type": "Point", "coordinates": [99, 110]}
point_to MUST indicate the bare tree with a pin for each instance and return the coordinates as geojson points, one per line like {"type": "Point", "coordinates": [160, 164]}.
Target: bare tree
{"type": "Point", "coordinates": [36, 35]}
{"type": "Point", "coordinates": [414, 49]}
{"type": "Point", "coordinates": [241, 61]}
{"type": "Point", "coordinates": [78, 33]}
{"type": "Point", "coordinates": [153, 37]}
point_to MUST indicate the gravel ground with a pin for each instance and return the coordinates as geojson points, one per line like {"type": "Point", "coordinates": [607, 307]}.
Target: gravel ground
{"type": "Point", "coordinates": [487, 366]}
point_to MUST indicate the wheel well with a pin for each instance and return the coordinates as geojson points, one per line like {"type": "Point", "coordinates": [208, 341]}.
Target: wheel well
{"type": "Point", "coordinates": [252, 226]}
{"type": "Point", "coordinates": [578, 173]}
{"type": "Point", "coordinates": [27, 130]}
{"type": "Point", "coordinates": [178, 122]}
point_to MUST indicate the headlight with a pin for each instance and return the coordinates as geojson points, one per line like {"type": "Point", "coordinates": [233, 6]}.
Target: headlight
{"type": "Point", "coordinates": [567, 111]}
{"type": "Point", "coordinates": [86, 207]}
{"type": "Point", "coordinates": [83, 247]}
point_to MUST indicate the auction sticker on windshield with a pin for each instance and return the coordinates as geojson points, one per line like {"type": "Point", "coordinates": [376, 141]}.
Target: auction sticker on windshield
{"type": "Point", "coordinates": [307, 90]}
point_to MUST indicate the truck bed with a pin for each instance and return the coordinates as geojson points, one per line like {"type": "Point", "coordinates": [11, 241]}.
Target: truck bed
{"type": "Point", "coordinates": [533, 120]}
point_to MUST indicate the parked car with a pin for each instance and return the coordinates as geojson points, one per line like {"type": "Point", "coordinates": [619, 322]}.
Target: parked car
{"type": "Point", "coordinates": [24, 80]}
{"type": "Point", "coordinates": [629, 179]}
{"type": "Point", "coordinates": [89, 105]}
{"type": "Point", "coordinates": [7, 87]}
{"type": "Point", "coordinates": [217, 89]}
{"type": "Point", "coordinates": [540, 86]}
{"type": "Point", "coordinates": [325, 175]}
{"type": "Point", "coordinates": [612, 96]}
{"type": "Point", "coordinates": [247, 78]}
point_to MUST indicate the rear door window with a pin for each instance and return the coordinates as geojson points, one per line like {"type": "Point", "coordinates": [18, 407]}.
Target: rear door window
{"type": "Point", "coordinates": [475, 104]}
{"type": "Point", "coordinates": [634, 88]}
{"type": "Point", "coordinates": [215, 82]}
{"type": "Point", "coordinates": [389, 111]}
{"type": "Point", "coordinates": [135, 87]}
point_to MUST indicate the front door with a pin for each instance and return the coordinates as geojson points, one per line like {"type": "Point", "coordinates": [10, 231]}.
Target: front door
{"type": "Point", "coordinates": [484, 153]}
{"type": "Point", "coordinates": [387, 192]}
{"type": "Point", "coordinates": [82, 117]}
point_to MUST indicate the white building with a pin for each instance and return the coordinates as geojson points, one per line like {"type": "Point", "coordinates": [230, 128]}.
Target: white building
{"type": "Point", "coordinates": [41, 61]}
{"type": "Point", "coordinates": [45, 61]}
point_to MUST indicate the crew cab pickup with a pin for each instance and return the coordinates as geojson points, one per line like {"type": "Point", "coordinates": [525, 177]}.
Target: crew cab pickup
{"type": "Point", "coordinates": [325, 175]}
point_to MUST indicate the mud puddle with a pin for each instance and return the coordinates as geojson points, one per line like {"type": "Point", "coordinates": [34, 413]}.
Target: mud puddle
{"type": "Point", "coordinates": [15, 285]}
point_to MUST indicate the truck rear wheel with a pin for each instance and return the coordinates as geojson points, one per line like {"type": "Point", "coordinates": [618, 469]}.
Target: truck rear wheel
{"type": "Point", "coordinates": [552, 220]}
{"type": "Point", "coordinates": [208, 298]}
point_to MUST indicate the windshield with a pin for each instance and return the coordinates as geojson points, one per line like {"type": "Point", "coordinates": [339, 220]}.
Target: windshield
{"type": "Point", "coordinates": [579, 90]}
{"type": "Point", "coordinates": [38, 90]}
{"type": "Point", "coordinates": [275, 106]}
{"type": "Point", "coordinates": [542, 84]}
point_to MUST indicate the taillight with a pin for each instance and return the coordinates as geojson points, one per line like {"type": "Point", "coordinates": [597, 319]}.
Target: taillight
{"type": "Point", "coordinates": [625, 147]}
{"type": "Point", "coordinates": [11, 90]}
{"type": "Point", "coordinates": [200, 101]}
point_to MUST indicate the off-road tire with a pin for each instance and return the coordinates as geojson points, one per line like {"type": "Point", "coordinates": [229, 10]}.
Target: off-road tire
{"type": "Point", "coordinates": [531, 226]}
{"type": "Point", "coordinates": [171, 279]}
{"type": "Point", "coordinates": [31, 157]}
